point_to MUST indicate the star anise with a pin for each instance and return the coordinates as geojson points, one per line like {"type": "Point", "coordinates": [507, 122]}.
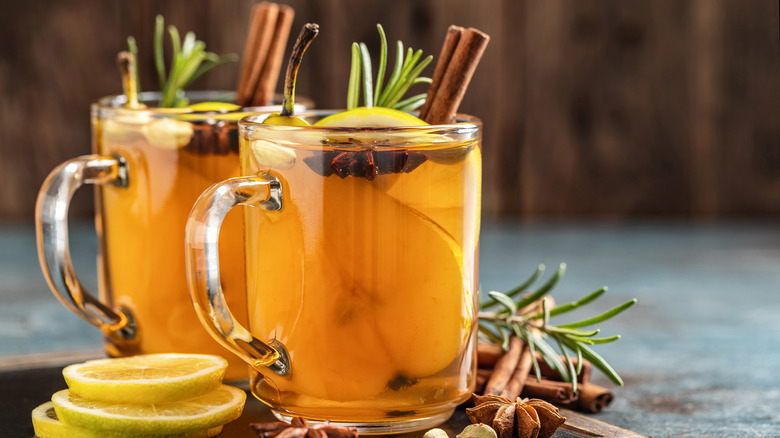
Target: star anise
{"type": "Point", "coordinates": [364, 163]}
{"type": "Point", "coordinates": [524, 418]}
{"type": "Point", "coordinates": [300, 428]}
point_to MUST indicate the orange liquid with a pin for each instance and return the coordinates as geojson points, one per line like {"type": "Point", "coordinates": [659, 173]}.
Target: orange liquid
{"type": "Point", "coordinates": [370, 285]}
{"type": "Point", "coordinates": [141, 228]}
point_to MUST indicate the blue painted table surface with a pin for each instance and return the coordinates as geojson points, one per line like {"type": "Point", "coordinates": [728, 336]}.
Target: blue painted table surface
{"type": "Point", "coordinates": [700, 353]}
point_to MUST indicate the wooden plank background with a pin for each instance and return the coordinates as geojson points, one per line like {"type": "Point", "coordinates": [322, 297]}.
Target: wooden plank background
{"type": "Point", "coordinates": [592, 108]}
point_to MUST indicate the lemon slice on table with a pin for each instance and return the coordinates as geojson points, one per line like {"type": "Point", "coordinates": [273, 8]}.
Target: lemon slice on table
{"type": "Point", "coordinates": [150, 378]}
{"type": "Point", "coordinates": [364, 117]}
{"type": "Point", "coordinates": [213, 409]}
{"type": "Point", "coordinates": [47, 425]}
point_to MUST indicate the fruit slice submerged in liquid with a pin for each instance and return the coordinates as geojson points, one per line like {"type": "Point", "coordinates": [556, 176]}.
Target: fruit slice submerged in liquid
{"type": "Point", "coordinates": [395, 285]}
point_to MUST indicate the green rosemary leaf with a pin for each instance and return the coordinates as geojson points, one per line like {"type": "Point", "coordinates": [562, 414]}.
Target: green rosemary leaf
{"type": "Point", "coordinates": [505, 301]}
{"type": "Point", "coordinates": [571, 331]}
{"type": "Point", "coordinates": [354, 78]}
{"type": "Point", "coordinates": [545, 312]}
{"type": "Point", "coordinates": [551, 358]}
{"type": "Point", "coordinates": [570, 366]}
{"type": "Point", "coordinates": [411, 103]}
{"type": "Point", "coordinates": [410, 80]}
{"type": "Point", "coordinates": [579, 360]}
{"type": "Point", "coordinates": [518, 289]}
{"type": "Point", "coordinates": [537, 369]}
{"type": "Point", "coordinates": [380, 74]}
{"type": "Point", "coordinates": [504, 338]}
{"type": "Point", "coordinates": [594, 341]}
{"type": "Point", "coordinates": [399, 59]}
{"type": "Point", "coordinates": [568, 307]}
{"type": "Point", "coordinates": [395, 90]}
{"type": "Point", "coordinates": [159, 61]}
{"type": "Point", "coordinates": [604, 316]}
{"type": "Point", "coordinates": [597, 361]}
{"type": "Point", "coordinates": [422, 80]}
{"type": "Point", "coordinates": [213, 61]}
{"type": "Point", "coordinates": [525, 301]}
{"type": "Point", "coordinates": [188, 46]}
{"type": "Point", "coordinates": [368, 87]}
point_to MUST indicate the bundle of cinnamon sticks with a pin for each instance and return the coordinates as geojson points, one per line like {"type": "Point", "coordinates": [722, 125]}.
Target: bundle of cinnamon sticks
{"type": "Point", "coordinates": [460, 54]}
{"type": "Point", "coordinates": [269, 30]}
{"type": "Point", "coordinates": [509, 374]}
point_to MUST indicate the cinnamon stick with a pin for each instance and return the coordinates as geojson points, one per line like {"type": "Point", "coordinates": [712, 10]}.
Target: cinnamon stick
{"type": "Point", "coordinates": [269, 76]}
{"type": "Point", "coordinates": [517, 382]}
{"type": "Point", "coordinates": [460, 68]}
{"type": "Point", "coordinates": [591, 398]}
{"type": "Point", "coordinates": [445, 55]}
{"type": "Point", "coordinates": [550, 391]}
{"type": "Point", "coordinates": [261, 29]}
{"type": "Point", "coordinates": [505, 367]}
{"type": "Point", "coordinates": [488, 354]}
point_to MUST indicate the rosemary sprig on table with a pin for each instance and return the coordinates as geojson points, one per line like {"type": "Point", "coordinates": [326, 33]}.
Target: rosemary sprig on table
{"type": "Point", "coordinates": [406, 72]}
{"type": "Point", "coordinates": [189, 60]}
{"type": "Point", "coordinates": [526, 314]}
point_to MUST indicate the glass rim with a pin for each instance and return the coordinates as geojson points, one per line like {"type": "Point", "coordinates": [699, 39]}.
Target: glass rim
{"type": "Point", "coordinates": [115, 102]}
{"type": "Point", "coordinates": [464, 123]}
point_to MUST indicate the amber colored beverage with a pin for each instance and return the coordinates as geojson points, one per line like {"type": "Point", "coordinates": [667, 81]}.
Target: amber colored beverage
{"type": "Point", "coordinates": [367, 274]}
{"type": "Point", "coordinates": [149, 166]}
{"type": "Point", "coordinates": [141, 227]}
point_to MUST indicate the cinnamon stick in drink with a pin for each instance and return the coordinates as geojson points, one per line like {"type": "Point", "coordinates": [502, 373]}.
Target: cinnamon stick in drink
{"type": "Point", "coordinates": [455, 80]}
{"type": "Point", "coordinates": [269, 76]}
{"type": "Point", "coordinates": [261, 31]}
{"type": "Point", "coordinates": [448, 48]}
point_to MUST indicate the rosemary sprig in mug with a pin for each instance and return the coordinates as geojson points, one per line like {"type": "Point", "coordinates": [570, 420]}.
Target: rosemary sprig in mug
{"type": "Point", "coordinates": [526, 315]}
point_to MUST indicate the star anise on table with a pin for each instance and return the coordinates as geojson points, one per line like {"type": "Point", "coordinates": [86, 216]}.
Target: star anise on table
{"type": "Point", "coordinates": [524, 418]}
{"type": "Point", "coordinates": [300, 428]}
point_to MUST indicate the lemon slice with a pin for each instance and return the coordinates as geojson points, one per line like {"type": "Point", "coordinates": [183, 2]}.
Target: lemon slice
{"type": "Point", "coordinates": [213, 106]}
{"type": "Point", "coordinates": [151, 378]}
{"type": "Point", "coordinates": [46, 425]}
{"type": "Point", "coordinates": [363, 117]}
{"type": "Point", "coordinates": [213, 409]}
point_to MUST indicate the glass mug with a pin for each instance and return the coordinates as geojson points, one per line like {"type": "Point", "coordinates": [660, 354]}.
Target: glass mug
{"type": "Point", "coordinates": [361, 269]}
{"type": "Point", "coordinates": [149, 166]}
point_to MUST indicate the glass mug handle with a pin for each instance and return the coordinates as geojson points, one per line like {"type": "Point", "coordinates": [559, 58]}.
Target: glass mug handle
{"type": "Point", "coordinates": [202, 256]}
{"type": "Point", "coordinates": [51, 229]}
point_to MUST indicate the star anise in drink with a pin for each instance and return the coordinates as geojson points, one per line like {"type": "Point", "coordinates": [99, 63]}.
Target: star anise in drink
{"type": "Point", "coordinates": [522, 418]}
{"type": "Point", "coordinates": [364, 163]}
{"type": "Point", "coordinates": [300, 428]}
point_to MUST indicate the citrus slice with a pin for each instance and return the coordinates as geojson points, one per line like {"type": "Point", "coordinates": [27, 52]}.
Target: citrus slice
{"type": "Point", "coordinates": [47, 425]}
{"type": "Point", "coordinates": [213, 409]}
{"type": "Point", "coordinates": [150, 378]}
{"type": "Point", "coordinates": [364, 117]}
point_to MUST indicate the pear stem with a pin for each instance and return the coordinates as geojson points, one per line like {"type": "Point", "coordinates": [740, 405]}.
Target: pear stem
{"type": "Point", "coordinates": [307, 35]}
{"type": "Point", "coordinates": [126, 62]}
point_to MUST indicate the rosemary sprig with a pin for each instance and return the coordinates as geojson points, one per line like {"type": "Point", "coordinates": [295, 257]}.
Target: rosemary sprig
{"type": "Point", "coordinates": [189, 60]}
{"type": "Point", "coordinates": [516, 312]}
{"type": "Point", "coordinates": [406, 73]}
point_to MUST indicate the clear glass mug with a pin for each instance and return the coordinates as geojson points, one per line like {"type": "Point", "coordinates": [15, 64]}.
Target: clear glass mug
{"type": "Point", "coordinates": [361, 269]}
{"type": "Point", "coordinates": [149, 166]}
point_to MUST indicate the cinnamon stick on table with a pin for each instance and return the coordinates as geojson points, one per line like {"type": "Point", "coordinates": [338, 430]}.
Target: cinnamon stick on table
{"type": "Point", "coordinates": [505, 367]}
{"type": "Point", "coordinates": [269, 29]}
{"type": "Point", "coordinates": [446, 94]}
